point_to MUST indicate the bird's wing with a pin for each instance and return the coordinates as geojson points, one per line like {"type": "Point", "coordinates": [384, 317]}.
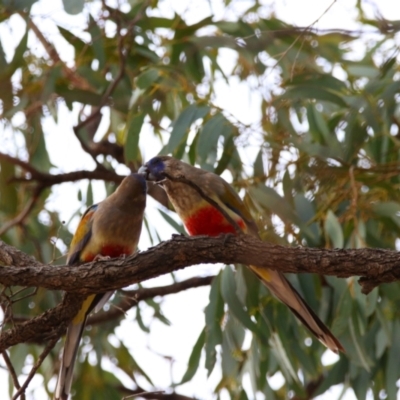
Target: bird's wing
{"type": "Point", "coordinates": [82, 236]}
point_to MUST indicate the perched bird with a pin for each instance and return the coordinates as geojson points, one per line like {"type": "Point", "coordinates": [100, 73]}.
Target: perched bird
{"type": "Point", "coordinates": [217, 211]}
{"type": "Point", "coordinates": [110, 228]}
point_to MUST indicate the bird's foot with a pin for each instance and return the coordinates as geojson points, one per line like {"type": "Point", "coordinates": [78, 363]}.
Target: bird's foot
{"type": "Point", "coordinates": [226, 237]}
{"type": "Point", "coordinates": [99, 257]}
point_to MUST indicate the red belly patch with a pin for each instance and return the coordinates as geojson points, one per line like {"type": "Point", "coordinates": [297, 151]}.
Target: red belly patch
{"type": "Point", "coordinates": [209, 221]}
{"type": "Point", "coordinates": [112, 251]}
{"type": "Point", "coordinates": [116, 250]}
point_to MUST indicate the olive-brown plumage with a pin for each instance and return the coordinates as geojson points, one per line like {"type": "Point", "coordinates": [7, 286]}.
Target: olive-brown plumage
{"type": "Point", "coordinates": [110, 228]}
{"type": "Point", "coordinates": [200, 217]}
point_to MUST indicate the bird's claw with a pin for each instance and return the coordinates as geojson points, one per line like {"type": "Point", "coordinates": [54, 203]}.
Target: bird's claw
{"type": "Point", "coordinates": [99, 257]}
{"type": "Point", "coordinates": [226, 237]}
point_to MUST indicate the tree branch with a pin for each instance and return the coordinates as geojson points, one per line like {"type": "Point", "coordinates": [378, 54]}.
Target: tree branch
{"type": "Point", "coordinates": [45, 179]}
{"type": "Point", "coordinates": [375, 266]}
{"type": "Point", "coordinates": [132, 297]}
{"type": "Point", "coordinates": [24, 213]}
{"type": "Point", "coordinates": [21, 391]}
{"type": "Point", "coordinates": [12, 372]}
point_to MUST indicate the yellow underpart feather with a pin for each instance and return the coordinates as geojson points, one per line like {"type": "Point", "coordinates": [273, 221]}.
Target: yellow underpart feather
{"type": "Point", "coordinates": [80, 317]}
{"type": "Point", "coordinates": [262, 272]}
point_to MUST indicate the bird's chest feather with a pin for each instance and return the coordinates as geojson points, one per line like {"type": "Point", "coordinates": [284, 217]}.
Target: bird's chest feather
{"type": "Point", "coordinates": [198, 216]}
{"type": "Point", "coordinates": [114, 237]}
{"type": "Point", "coordinates": [209, 221]}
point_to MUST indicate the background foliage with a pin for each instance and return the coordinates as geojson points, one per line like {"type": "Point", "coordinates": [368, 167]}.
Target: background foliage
{"type": "Point", "coordinates": [318, 166]}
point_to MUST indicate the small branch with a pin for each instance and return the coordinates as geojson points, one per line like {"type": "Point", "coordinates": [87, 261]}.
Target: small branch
{"type": "Point", "coordinates": [156, 395]}
{"type": "Point", "coordinates": [46, 180]}
{"type": "Point", "coordinates": [303, 32]}
{"type": "Point", "coordinates": [11, 369]}
{"type": "Point", "coordinates": [70, 73]}
{"type": "Point", "coordinates": [47, 326]}
{"type": "Point", "coordinates": [112, 86]}
{"type": "Point", "coordinates": [132, 297]}
{"type": "Point", "coordinates": [24, 213]}
{"type": "Point", "coordinates": [23, 164]}
{"type": "Point", "coordinates": [46, 351]}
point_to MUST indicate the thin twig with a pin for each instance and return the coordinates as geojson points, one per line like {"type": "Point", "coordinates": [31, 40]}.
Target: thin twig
{"type": "Point", "coordinates": [23, 164]}
{"type": "Point", "coordinates": [24, 213]}
{"type": "Point", "coordinates": [110, 89]}
{"type": "Point", "coordinates": [46, 351]}
{"type": "Point", "coordinates": [132, 297]}
{"type": "Point", "coordinates": [131, 396]}
{"type": "Point", "coordinates": [12, 371]}
{"type": "Point", "coordinates": [302, 33]}
{"type": "Point", "coordinates": [71, 74]}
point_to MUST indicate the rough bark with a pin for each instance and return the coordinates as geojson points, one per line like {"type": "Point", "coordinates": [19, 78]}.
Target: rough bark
{"type": "Point", "coordinates": [374, 266]}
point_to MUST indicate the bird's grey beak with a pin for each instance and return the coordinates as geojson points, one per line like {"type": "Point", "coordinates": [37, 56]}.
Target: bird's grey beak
{"type": "Point", "coordinates": [144, 171]}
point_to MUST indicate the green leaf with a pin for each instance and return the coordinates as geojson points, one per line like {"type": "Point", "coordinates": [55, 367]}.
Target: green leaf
{"type": "Point", "coordinates": [147, 78]}
{"type": "Point", "coordinates": [89, 194]}
{"type": "Point", "coordinates": [320, 130]}
{"type": "Point", "coordinates": [334, 376]}
{"type": "Point", "coordinates": [97, 40]}
{"type": "Point", "coordinates": [194, 359]}
{"type": "Point", "coordinates": [228, 290]}
{"type": "Point", "coordinates": [18, 4]}
{"type": "Point", "coordinates": [229, 150]}
{"type": "Point", "coordinates": [131, 148]}
{"type": "Point", "coordinates": [283, 358]}
{"type": "Point", "coordinates": [73, 7]}
{"type": "Point", "coordinates": [344, 309]}
{"type": "Point", "coordinates": [213, 315]}
{"type": "Point", "coordinates": [8, 191]}
{"type": "Point", "coordinates": [306, 212]}
{"type": "Point", "coordinates": [313, 92]}
{"type": "Point", "coordinates": [140, 322]}
{"type": "Point", "coordinates": [259, 165]}
{"type": "Point", "coordinates": [178, 227]}
{"type": "Point", "coordinates": [209, 135]}
{"type": "Point", "coordinates": [390, 209]}
{"type": "Point", "coordinates": [183, 124]}
{"type": "Point", "coordinates": [268, 198]}
{"type": "Point", "coordinates": [333, 230]}
{"type": "Point", "coordinates": [393, 363]}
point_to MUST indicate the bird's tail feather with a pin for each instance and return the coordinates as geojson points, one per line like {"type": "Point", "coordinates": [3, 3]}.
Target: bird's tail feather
{"type": "Point", "coordinates": [74, 334]}
{"type": "Point", "coordinates": [285, 292]}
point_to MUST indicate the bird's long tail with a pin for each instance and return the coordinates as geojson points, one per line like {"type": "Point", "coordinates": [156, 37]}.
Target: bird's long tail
{"type": "Point", "coordinates": [72, 340]}
{"type": "Point", "coordinates": [74, 334]}
{"type": "Point", "coordinates": [287, 294]}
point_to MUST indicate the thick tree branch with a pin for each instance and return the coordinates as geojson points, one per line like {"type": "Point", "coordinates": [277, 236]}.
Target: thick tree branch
{"type": "Point", "coordinates": [48, 326]}
{"type": "Point", "coordinates": [375, 266]}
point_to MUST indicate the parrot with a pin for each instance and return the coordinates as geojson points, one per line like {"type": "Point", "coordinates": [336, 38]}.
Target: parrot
{"type": "Point", "coordinates": [201, 217]}
{"type": "Point", "coordinates": [108, 229]}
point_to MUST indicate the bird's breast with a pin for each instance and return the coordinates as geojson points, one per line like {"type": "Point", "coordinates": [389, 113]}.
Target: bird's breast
{"type": "Point", "coordinates": [209, 221]}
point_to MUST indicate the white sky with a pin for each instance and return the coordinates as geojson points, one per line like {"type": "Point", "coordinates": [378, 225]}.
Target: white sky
{"type": "Point", "coordinates": [185, 310]}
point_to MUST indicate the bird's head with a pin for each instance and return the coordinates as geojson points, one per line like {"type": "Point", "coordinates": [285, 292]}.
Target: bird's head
{"type": "Point", "coordinates": [159, 168]}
